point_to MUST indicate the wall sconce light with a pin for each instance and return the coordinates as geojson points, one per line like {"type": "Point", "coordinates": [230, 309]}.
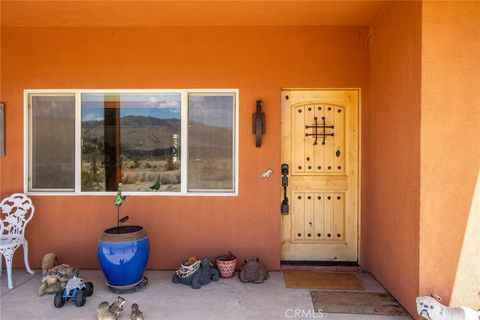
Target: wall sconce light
{"type": "Point", "coordinates": [258, 126]}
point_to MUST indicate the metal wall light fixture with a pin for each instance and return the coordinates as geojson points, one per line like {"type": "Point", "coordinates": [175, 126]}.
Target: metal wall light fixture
{"type": "Point", "coordinates": [258, 126]}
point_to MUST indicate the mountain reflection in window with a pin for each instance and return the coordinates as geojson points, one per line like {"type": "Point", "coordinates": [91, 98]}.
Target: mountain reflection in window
{"type": "Point", "coordinates": [132, 138]}
{"type": "Point", "coordinates": [210, 142]}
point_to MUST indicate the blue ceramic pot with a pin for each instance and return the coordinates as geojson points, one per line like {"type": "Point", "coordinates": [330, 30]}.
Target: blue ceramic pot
{"type": "Point", "coordinates": [123, 255]}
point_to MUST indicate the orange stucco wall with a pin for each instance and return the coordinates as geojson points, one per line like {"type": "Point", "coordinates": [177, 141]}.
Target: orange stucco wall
{"type": "Point", "coordinates": [259, 61]}
{"type": "Point", "coordinates": [450, 152]}
{"type": "Point", "coordinates": [391, 152]}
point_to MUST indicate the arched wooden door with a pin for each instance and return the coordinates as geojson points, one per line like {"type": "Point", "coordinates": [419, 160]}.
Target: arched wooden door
{"type": "Point", "coordinates": [320, 145]}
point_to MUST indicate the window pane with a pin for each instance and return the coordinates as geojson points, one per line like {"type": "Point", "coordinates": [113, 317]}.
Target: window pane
{"type": "Point", "coordinates": [52, 141]}
{"type": "Point", "coordinates": [210, 142]}
{"type": "Point", "coordinates": [133, 138]}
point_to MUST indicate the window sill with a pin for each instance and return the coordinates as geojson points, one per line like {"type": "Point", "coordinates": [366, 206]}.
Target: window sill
{"type": "Point", "coordinates": [132, 194]}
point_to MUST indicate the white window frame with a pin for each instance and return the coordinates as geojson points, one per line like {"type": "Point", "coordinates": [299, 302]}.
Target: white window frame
{"type": "Point", "coordinates": [184, 142]}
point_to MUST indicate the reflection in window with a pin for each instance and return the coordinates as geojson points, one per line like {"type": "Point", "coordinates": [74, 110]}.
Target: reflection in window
{"type": "Point", "coordinates": [211, 142]}
{"type": "Point", "coordinates": [52, 142]}
{"type": "Point", "coordinates": [132, 138]}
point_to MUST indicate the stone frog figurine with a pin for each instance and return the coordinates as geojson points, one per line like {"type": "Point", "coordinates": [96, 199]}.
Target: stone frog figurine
{"type": "Point", "coordinates": [253, 271]}
{"type": "Point", "coordinates": [201, 276]}
{"type": "Point", "coordinates": [106, 311]}
{"type": "Point", "coordinates": [430, 308]}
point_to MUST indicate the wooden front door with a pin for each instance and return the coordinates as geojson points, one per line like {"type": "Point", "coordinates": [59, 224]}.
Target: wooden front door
{"type": "Point", "coordinates": [320, 145]}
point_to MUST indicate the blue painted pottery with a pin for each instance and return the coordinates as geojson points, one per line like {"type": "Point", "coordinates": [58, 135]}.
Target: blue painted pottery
{"type": "Point", "coordinates": [123, 255]}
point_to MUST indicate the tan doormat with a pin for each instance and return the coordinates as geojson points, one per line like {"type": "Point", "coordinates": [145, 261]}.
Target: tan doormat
{"type": "Point", "coordinates": [322, 280]}
{"type": "Point", "coordinates": [356, 302]}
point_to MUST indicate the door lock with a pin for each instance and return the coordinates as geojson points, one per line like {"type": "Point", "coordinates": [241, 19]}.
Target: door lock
{"type": "Point", "coordinates": [284, 207]}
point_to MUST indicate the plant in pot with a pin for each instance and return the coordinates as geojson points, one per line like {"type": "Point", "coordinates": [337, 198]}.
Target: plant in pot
{"type": "Point", "coordinates": [123, 251]}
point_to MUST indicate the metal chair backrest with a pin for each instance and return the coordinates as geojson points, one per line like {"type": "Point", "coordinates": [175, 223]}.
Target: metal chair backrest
{"type": "Point", "coordinates": [15, 213]}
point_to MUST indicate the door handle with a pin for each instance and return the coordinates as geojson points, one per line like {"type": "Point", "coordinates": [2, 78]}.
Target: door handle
{"type": "Point", "coordinates": [284, 207]}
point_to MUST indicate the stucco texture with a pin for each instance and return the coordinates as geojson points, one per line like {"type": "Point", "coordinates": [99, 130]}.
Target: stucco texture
{"type": "Point", "coordinates": [259, 61]}
{"type": "Point", "coordinates": [450, 153]}
{"type": "Point", "coordinates": [391, 152]}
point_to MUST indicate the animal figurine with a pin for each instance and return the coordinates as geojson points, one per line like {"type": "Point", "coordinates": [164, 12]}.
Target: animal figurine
{"type": "Point", "coordinates": [196, 275]}
{"type": "Point", "coordinates": [56, 278]}
{"type": "Point", "coordinates": [253, 271]}
{"type": "Point", "coordinates": [106, 311]}
{"type": "Point", "coordinates": [48, 262]}
{"type": "Point", "coordinates": [430, 308]}
{"type": "Point", "coordinates": [136, 314]}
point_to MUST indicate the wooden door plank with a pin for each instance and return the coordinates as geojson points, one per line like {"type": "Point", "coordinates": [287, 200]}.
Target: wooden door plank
{"type": "Point", "coordinates": [309, 216]}
{"type": "Point", "coordinates": [339, 216]}
{"type": "Point", "coordinates": [318, 220]}
{"type": "Point", "coordinates": [339, 139]}
{"type": "Point", "coordinates": [298, 215]}
{"type": "Point", "coordinates": [298, 139]}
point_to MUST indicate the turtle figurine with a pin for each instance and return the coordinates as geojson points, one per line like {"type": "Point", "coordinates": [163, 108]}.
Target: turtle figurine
{"type": "Point", "coordinates": [56, 278]}
{"type": "Point", "coordinates": [196, 273]}
{"type": "Point", "coordinates": [253, 271]}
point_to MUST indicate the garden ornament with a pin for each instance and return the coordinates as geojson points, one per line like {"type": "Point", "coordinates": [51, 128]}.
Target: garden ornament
{"type": "Point", "coordinates": [119, 198]}
{"type": "Point", "coordinates": [156, 185]}
{"type": "Point", "coordinates": [106, 311]}
{"type": "Point", "coordinates": [56, 278]}
{"type": "Point", "coordinates": [118, 201]}
{"type": "Point", "coordinates": [266, 174]}
{"type": "Point", "coordinates": [200, 273]}
{"type": "Point", "coordinates": [136, 314]}
{"type": "Point", "coordinates": [430, 308]}
{"type": "Point", "coordinates": [48, 262]}
{"type": "Point", "coordinates": [253, 271]}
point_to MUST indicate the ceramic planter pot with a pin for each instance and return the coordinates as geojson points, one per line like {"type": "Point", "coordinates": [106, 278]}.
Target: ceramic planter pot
{"type": "Point", "coordinates": [226, 266]}
{"type": "Point", "coordinates": [123, 255]}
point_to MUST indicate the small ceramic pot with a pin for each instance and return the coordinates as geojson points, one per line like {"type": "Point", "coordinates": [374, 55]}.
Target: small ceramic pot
{"type": "Point", "coordinates": [226, 266]}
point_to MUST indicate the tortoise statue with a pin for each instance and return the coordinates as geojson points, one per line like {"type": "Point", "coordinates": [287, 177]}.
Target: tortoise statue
{"type": "Point", "coordinates": [56, 278]}
{"type": "Point", "coordinates": [253, 271]}
{"type": "Point", "coordinates": [197, 274]}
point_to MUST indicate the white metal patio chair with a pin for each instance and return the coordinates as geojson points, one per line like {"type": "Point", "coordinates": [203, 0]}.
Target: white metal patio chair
{"type": "Point", "coordinates": [15, 213]}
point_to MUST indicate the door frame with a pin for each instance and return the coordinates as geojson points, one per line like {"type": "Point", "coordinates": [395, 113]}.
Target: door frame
{"type": "Point", "coordinates": [359, 160]}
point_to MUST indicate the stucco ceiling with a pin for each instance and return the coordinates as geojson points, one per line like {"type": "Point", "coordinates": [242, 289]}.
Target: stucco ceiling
{"type": "Point", "coordinates": [189, 13]}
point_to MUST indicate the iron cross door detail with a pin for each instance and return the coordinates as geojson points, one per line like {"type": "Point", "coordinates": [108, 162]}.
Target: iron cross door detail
{"type": "Point", "coordinates": [322, 134]}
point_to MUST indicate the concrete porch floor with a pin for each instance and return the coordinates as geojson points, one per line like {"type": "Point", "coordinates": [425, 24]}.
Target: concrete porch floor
{"type": "Point", "coordinates": [227, 299]}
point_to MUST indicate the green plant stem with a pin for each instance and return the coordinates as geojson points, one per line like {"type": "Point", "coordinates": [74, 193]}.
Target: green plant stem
{"type": "Point", "coordinates": [118, 219]}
